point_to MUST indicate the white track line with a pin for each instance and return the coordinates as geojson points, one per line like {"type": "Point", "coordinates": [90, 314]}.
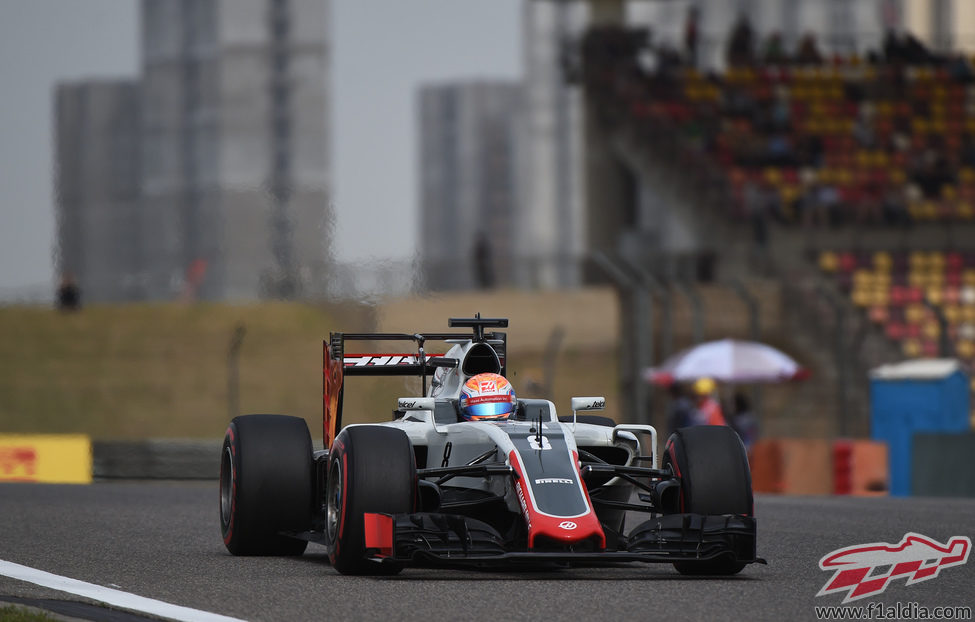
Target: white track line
{"type": "Point", "coordinates": [117, 598]}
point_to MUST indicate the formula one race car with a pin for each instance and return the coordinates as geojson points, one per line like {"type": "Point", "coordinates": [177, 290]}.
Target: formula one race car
{"type": "Point", "coordinates": [511, 484]}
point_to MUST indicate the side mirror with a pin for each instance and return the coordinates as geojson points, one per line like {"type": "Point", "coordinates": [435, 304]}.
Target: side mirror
{"type": "Point", "coordinates": [417, 403]}
{"type": "Point", "coordinates": [588, 403]}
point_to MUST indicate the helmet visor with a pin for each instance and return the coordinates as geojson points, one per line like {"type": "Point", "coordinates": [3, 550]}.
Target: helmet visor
{"type": "Point", "coordinates": [487, 407]}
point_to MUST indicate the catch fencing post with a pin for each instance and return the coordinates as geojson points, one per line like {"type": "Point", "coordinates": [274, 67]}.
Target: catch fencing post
{"type": "Point", "coordinates": [754, 331]}
{"type": "Point", "coordinates": [632, 357]}
{"type": "Point", "coordinates": [697, 309]}
{"type": "Point", "coordinates": [841, 362]}
{"type": "Point", "coordinates": [233, 371]}
{"type": "Point", "coordinates": [944, 343]}
{"type": "Point", "coordinates": [645, 327]}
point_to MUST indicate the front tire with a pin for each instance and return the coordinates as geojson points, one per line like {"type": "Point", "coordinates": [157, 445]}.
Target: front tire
{"type": "Point", "coordinates": [265, 484]}
{"type": "Point", "coordinates": [371, 469]}
{"type": "Point", "coordinates": [715, 479]}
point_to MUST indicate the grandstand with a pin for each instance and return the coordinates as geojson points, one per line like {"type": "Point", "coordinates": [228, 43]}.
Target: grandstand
{"type": "Point", "coordinates": [848, 178]}
{"type": "Point", "coordinates": [843, 141]}
{"type": "Point", "coordinates": [924, 301]}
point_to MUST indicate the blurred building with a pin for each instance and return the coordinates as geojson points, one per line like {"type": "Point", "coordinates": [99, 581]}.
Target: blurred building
{"type": "Point", "coordinates": [551, 235]}
{"type": "Point", "coordinates": [98, 148]}
{"type": "Point", "coordinates": [504, 160]}
{"type": "Point", "coordinates": [233, 164]}
{"type": "Point", "coordinates": [469, 183]}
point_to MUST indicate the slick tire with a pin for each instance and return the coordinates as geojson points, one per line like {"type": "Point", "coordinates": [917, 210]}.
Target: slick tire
{"type": "Point", "coordinates": [265, 485]}
{"type": "Point", "coordinates": [715, 479]}
{"type": "Point", "coordinates": [371, 469]}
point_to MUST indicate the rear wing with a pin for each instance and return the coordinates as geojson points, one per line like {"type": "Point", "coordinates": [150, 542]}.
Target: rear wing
{"type": "Point", "coordinates": [337, 364]}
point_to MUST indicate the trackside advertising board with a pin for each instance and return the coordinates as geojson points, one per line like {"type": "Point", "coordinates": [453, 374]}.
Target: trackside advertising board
{"type": "Point", "coordinates": [54, 459]}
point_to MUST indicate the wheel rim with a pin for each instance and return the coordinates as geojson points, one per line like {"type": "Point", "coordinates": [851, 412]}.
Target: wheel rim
{"type": "Point", "coordinates": [334, 493]}
{"type": "Point", "coordinates": [227, 477]}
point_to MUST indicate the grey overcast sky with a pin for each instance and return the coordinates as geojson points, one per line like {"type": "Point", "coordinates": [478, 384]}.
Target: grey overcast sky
{"type": "Point", "coordinates": [382, 50]}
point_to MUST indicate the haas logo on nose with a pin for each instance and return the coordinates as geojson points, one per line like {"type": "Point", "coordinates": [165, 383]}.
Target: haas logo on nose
{"type": "Point", "coordinates": [866, 569]}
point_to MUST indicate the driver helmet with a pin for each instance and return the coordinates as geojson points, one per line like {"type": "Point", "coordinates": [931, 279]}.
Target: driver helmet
{"type": "Point", "coordinates": [487, 397]}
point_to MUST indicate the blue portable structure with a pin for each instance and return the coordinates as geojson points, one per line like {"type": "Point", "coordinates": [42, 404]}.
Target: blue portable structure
{"type": "Point", "coordinates": [920, 395]}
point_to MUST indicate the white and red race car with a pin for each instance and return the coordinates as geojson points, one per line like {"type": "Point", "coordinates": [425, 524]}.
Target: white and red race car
{"type": "Point", "coordinates": [428, 488]}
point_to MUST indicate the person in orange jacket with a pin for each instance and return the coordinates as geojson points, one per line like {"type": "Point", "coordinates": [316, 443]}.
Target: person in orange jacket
{"type": "Point", "coordinates": [707, 409]}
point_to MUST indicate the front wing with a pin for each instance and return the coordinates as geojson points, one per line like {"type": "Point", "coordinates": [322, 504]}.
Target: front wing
{"type": "Point", "coordinates": [431, 539]}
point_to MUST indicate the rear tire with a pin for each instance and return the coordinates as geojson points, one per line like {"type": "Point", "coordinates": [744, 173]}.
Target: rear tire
{"type": "Point", "coordinates": [371, 469]}
{"type": "Point", "coordinates": [715, 479]}
{"type": "Point", "coordinates": [265, 484]}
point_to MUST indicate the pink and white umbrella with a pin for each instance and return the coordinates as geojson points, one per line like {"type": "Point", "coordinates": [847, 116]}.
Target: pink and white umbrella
{"type": "Point", "coordinates": [727, 360]}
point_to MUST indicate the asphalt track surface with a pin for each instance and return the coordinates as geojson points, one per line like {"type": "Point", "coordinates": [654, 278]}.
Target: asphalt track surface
{"type": "Point", "coordinates": [161, 540]}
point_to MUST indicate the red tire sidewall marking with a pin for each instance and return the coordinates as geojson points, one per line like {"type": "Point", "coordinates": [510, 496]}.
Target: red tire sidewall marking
{"type": "Point", "coordinates": [673, 460]}
{"type": "Point", "coordinates": [345, 481]}
{"type": "Point", "coordinates": [233, 490]}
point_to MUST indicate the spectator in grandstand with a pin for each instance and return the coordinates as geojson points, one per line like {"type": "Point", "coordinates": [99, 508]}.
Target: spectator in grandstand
{"type": "Point", "coordinates": [855, 92]}
{"type": "Point", "coordinates": [966, 155]}
{"type": "Point", "coordinates": [708, 126]}
{"type": "Point", "coordinates": [748, 148]}
{"type": "Point", "coordinates": [780, 113]}
{"type": "Point", "coordinates": [863, 127]}
{"type": "Point", "coordinates": [741, 43]}
{"type": "Point", "coordinates": [894, 206]}
{"type": "Point", "coordinates": [808, 52]}
{"type": "Point", "coordinates": [811, 151]}
{"type": "Point", "coordinates": [931, 172]}
{"type": "Point", "coordinates": [869, 206]}
{"type": "Point", "coordinates": [900, 138]}
{"type": "Point", "coordinates": [960, 69]}
{"type": "Point", "coordinates": [819, 202]}
{"type": "Point", "coordinates": [738, 102]}
{"type": "Point", "coordinates": [743, 420]}
{"type": "Point", "coordinates": [774, 50]}
{"type": "Point", "coordinates": [779, 151]}
{"type": "Point", "coordinates": [828, 199]}
{"type": "Point", "coordinates": [668, 60]}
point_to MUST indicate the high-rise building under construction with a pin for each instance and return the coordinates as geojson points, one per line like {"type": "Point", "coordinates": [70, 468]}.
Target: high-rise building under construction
{"type": "Point", "coordinates": [233, 166]}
